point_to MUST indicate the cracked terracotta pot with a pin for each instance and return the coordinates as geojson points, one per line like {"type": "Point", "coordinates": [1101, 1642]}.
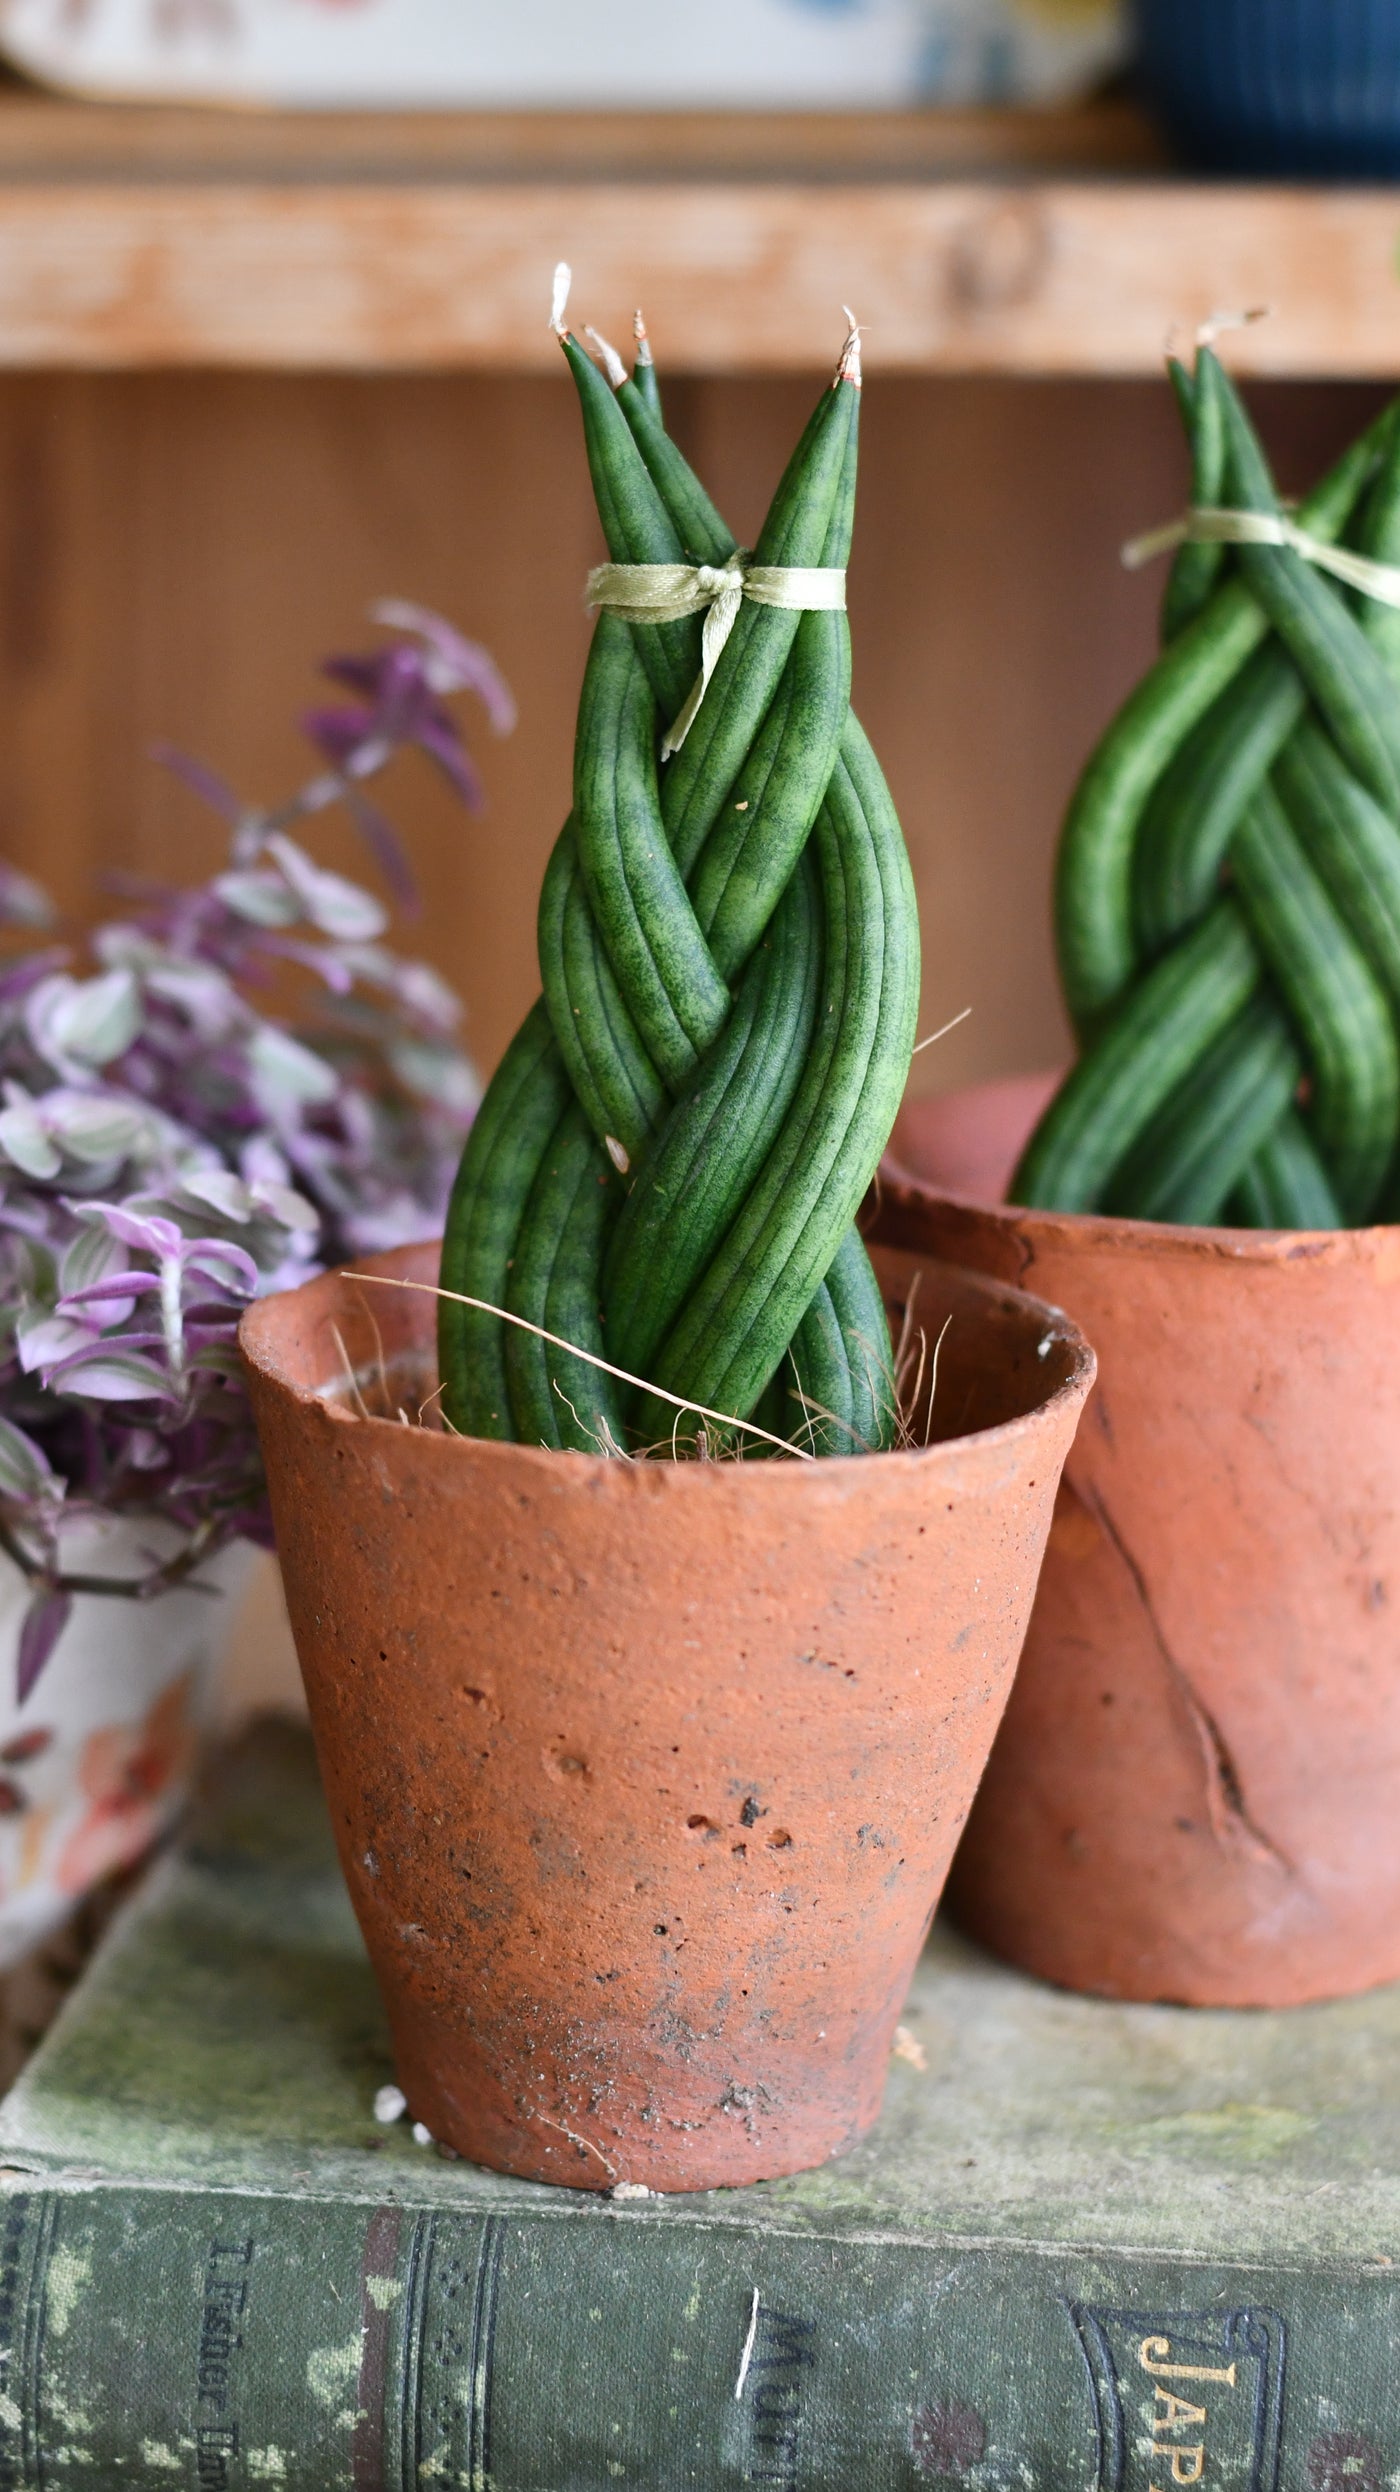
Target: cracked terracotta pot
{"type": "Point", "coordinates": [646, 1776]}
{"type": "Point", "coordinates": [1195, 1794]}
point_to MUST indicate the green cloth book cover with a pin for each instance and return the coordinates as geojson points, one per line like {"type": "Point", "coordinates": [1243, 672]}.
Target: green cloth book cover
{"type": "Point", "coordinates": [1088, 2248]}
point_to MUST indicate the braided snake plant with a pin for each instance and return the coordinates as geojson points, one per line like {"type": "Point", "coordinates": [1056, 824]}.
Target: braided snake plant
{"type": "Point", "coordinates": [661, 1185]}
{"type": "Point", "coordinates": [1228, 885]}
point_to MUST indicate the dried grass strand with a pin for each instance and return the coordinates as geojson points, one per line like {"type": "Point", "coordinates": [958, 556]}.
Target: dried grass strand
{"type": "Point", "coordinates": [483, 1306]}
{"type": "Point", "coordinates": [935, 1035]}
{"type": "Point", "coordinates": [351, 1378]}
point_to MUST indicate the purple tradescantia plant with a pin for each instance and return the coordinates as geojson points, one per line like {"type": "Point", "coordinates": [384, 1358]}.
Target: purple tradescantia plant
{"type": "Point", "coordinates": [171, 1147]}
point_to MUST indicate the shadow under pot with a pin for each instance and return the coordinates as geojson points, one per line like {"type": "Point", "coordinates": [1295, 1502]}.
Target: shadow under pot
{"type": "Point", "coordinates": [1195, 1794]}
{"type": "Point", "coordinates": [646, 1775]}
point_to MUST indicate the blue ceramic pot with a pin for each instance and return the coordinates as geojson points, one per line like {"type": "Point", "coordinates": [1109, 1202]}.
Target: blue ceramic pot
{"type": "Point", "coordinates": [1276, 86]}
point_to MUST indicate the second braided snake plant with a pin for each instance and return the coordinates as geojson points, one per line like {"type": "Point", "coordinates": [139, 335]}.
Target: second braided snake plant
{"type": "Point", "coordinates": [1228, 886]}
{"type": "Point", "coordinates": [666, 1169]}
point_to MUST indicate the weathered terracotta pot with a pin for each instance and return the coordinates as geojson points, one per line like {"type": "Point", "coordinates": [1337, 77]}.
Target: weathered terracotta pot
{"type": "Point", "coordinates": [1195, 1794]}
{"type": "Point", "coordinates": [646, 1776]}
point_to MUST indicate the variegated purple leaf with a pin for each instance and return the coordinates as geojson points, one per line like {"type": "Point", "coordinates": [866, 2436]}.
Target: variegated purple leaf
{"type": "Point", "coordinates": [45, 1618]}
{"type": "Point", "coordinates": [113, 1290]}
{"type": "Point", "coordinates": [25, 1469]}
{"type": "Point", "coordinates": [27, 1143]}
{"type": "Point", "coordinates": [23, 902]}
{"type": "Point", "coordinates": [265, 899]}
{"type": "Point", "coordinates": [220, 1190]}
{"type": "Point", "coordinates": [199, 992]}
{"type": "Point", "coordinates": [86, 1021]}
{"type": "Point", "coordinates": [288, 1208]}
{"type": "Point", "coordinates": [223, 1263]}
{"type": "Point", "coordinates": [326, 963]}
{"type": "Point", "coordinates": [261, 1162]}
{"type": "Point", "coordinates": [197, 775]}
{"type": "Point", "coordinates": [148, 1232]}
{"type": "Point", "coordinates": [451, 663]}
{"type": "Point", "coordinates": [92, 1254]}
{"type": "Point", "coordinates": [221, 1358]}
{"type": "Point", "coordinates": [334, 906]}
{"type": "Point", "coordinates": [43, 1339]}
{"type": "Point", "coordinates": [285, 1075]}
{"type": "Point", "coordinates": [454, 761]}
{"type": "Point", "coordinates": [105, 1373]}
{"type": "Point", "coordinates": [386, 848]}
{"type": "Point", "coordinates": [98, 1128]}
{"type": "Point", "coordinates": [419, 990]}
{"type": "Point", "coordinates": [167, 1116]}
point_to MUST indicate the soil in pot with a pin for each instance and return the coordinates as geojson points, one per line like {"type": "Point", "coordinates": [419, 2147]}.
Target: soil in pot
{"type": "Point", "coordinates": [646, 1775]}
{"type": "Point", "coordinates": [1193, 1795]}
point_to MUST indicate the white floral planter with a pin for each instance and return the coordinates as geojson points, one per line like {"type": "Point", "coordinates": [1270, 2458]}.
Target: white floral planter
{"type": "Point", "coordinates": [97, 1761]}
{"type": "Point", "coordinates": [616, 53]}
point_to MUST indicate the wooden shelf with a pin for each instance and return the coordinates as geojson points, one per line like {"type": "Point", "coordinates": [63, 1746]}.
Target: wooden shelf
{"type": "Point", "coordinates": [1012, 243]}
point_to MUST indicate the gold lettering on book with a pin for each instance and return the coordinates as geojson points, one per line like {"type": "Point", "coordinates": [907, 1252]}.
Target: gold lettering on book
{"type": "Point", "coordinates": [1155, 2355]}
{"type": "Point", "coordinates": [1173, 2411]}
{"type": "Point", "coordinates": [1186, 2400]}
{"type": "Point", "coordinates": [1186, 2461]}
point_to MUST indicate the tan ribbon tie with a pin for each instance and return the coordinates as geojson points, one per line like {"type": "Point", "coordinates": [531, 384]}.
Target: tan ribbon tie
{"type": "Point", "coordinates": [1208, 526]}
{"type": "Point", "coordinates": [664, 592]}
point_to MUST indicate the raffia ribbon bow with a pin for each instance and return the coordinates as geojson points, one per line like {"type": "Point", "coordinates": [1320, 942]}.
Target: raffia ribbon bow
{"type": "Point", "coordinates": [663, 592]}
{"type": "Point", "coordinates": [1208, 526]}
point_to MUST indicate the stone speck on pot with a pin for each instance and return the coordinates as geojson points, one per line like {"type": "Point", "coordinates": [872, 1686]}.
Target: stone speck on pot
{"type": "Point", "coordinates": [646, 1775]}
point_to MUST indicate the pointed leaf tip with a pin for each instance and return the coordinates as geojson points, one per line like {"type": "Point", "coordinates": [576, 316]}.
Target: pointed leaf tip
{"type": "Point", "coordinates": [44, 1621]}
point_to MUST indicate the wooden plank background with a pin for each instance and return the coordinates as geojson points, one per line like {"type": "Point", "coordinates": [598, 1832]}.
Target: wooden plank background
{"type": "Point", "coordinates": [953, 276]}
{"type": "Point", "coordinates": [60, 139]}
{"type": "Point", "coordinates": [175, 550]}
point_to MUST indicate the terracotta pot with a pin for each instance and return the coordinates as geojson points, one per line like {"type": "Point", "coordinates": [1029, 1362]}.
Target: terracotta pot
{"type": "Point", "coordinates": [646, 1776]}
{"type": "Point", "coordinates": [1195, 1794]}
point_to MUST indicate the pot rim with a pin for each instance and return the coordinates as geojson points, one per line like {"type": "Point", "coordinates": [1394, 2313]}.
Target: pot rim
{"type": "Point", "coordinates": [1171, 1239]}
{"type": "Point", "coordinates": [261, 1323]}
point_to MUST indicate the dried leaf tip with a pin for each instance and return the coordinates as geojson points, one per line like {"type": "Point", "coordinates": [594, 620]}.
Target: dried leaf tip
{"type": "Point", "coordinates": [643, 342]}
{"type": "Point", "coordinates": [608, 357]}
{"type": "Point", "coordinates": [848, 368]}
{"type": "Point", "coordinates": [559, 300]}
{"type": "Point", "coordinates": [1222, 321]}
